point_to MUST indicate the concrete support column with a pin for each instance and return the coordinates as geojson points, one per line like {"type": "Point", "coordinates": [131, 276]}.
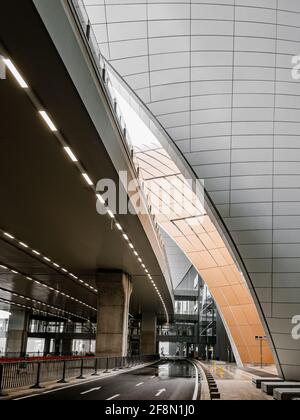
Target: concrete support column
{"type": "Point", "coordinates": [148, 334]}
{"type": "Point", "coordinates": [66, 346]}
{"type": "Point", "coordinates": [17, 333]}
{"type": "Point", "coordinates": [115, 290]}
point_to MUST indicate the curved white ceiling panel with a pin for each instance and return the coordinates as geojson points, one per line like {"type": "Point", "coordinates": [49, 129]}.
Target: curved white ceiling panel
{"type": "Point", "coordinates": [217, 75]}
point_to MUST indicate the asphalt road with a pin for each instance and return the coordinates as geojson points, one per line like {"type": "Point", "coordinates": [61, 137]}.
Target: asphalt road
{"type": "Point", "coordinates": [164, 381]}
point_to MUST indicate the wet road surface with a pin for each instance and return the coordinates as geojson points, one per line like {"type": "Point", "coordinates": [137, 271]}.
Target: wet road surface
{"type": "Point", "coordinates": [163, 381]}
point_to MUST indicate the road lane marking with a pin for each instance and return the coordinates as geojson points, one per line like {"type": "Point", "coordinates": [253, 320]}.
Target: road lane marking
{"type": "Point", "coordinates": [112, 398]}
{"type": "Point", "coordinates": [90, 390]}
{"type": "Point", "coordinates": [161, 391]}
{"type": "Point", "coordinates": [140, 384]}
{"type": "Point", "coordinates": [196, 392]}
{"type": "Point", "coordinates": [109, 376]}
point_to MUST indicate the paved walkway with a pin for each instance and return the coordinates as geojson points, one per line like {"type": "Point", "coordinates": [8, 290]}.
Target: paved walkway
{"type": "Point", "coordinates": [236, 384]}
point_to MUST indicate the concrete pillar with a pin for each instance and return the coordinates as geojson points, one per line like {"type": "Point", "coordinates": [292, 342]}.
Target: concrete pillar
{"type": "Point", "coordinates": [17, 333]}
{"type": "Point", "coordinates": [148, 333]}
{"type": "Point", "coordinates": [47, 346]}
{"type": "Point", "coordinates": [115, 290]}
{"type": "Point", "coordinates": [66, 346]}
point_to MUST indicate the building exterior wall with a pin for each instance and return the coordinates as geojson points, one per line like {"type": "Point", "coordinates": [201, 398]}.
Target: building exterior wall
{"type": "Point", "coordinates": [217, 75]}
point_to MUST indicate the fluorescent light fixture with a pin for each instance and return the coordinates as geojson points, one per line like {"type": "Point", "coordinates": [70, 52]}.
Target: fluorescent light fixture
{"type": "Point", "coordinates": [100, 198]}
{"type": "Point", "coordinates": [140, 260]}
{"type": "Point", "coordinates": [136, 254]}
{"type": "Point", "coordinates": [47, 259]}
{"type": "Point", "coordinates": [23, 245]}
{"type": "Point", "coordinates": [48, 120]}
{"type": "Point", "coordinates": [131, 246]}
{"type": "Point", "coordinates": [8, 235]}
{"type": "Point", "coordinates": [71, 154]}
{"type": "Point", "coordinates": [125, 237]}
{"type": "Point", "coordinates": [119, 227]}
{"type": "Point", "coordinates": [36, 252]}
{"type": "Point", "coordinates": [143, 265]}
{"type": "Point", "coordinates": [3, 266]}
{"type": "Point", "coordinates": [110, 213]}
{"type": "Point", "coordinates": [15, 73]}
{"type": "Point", "coordinates": [88, 179]}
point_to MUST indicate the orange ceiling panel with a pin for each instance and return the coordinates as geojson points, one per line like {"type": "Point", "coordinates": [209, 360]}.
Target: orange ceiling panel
{"type": "Point", "coordinates": [197, 236]}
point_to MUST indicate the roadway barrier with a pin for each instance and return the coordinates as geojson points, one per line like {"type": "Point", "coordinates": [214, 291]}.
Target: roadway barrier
{"type": "Point", "coordinates": [33, 374]}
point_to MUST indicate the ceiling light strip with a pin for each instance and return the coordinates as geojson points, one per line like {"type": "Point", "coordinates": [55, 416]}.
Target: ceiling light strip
{"type": "Point", "coordinates": [18, 295]}
{"type": "Point", "coordinates": [74, 159]}
{"type": "Point", "coordinates": [48, 260]}
{"type": "Point", "coordinates": [10, 65]}
{"type": "Point", "coordinates": [4, 267]}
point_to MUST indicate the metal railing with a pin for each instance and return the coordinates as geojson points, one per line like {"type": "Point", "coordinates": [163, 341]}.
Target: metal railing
{"type": "Point", "coordinates": [36, 355]}
{"type": "Point", "coordinates": [34, 374]}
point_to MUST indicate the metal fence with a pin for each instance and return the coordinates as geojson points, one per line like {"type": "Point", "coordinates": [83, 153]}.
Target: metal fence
{"type": "Point", "coordinates": [34, 374]}
{"type": "Point", "coordinates": [16, 357]}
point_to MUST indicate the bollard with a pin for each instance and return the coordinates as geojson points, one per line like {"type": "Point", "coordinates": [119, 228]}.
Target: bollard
{"type": "Point", "coordinates": [2, 393]}
{"type": "Point", "coordinates": [38, 379]}
{"type": "Point", "coordinates": [96, 368]}
{"type": "Point", "coordinates": [121, 363]}
{"type": "Point", "coordinates": [116, 364]}
{"type": "Point", "coordinates": [81, 370]}
{"type": "Point", "coordinates": [107, 366]}
{"type": "Point", "coordinates": [63, 380]}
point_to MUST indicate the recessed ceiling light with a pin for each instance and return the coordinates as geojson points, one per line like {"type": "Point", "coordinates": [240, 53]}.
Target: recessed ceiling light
{"type": "Point", "coordinates": [16, 73]}
{"type": "Point", "coordinates": [23, 245]}
{"type": "Point", "coordinates": [100, 198]}
{"type": "Point", "coordinates": [119, 227]}
{"type": "Point", "coordinates": [110, 213]}
{"type": "Point", "coordinates": [71, 154]}
{"type": "Point", "coordinates": [8, 235]}
{"type": "Point", "coordinates": [48, 120]}
{"type": "Point", "coordinates": [88, 179]}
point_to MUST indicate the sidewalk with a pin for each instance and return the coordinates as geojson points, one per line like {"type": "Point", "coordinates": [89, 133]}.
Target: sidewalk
{"type": "Point", "coordinates": [236, 384]}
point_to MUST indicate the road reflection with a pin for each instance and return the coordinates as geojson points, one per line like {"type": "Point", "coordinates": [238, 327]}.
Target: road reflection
{"type": "Point", "coordinates": [175, 369]}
